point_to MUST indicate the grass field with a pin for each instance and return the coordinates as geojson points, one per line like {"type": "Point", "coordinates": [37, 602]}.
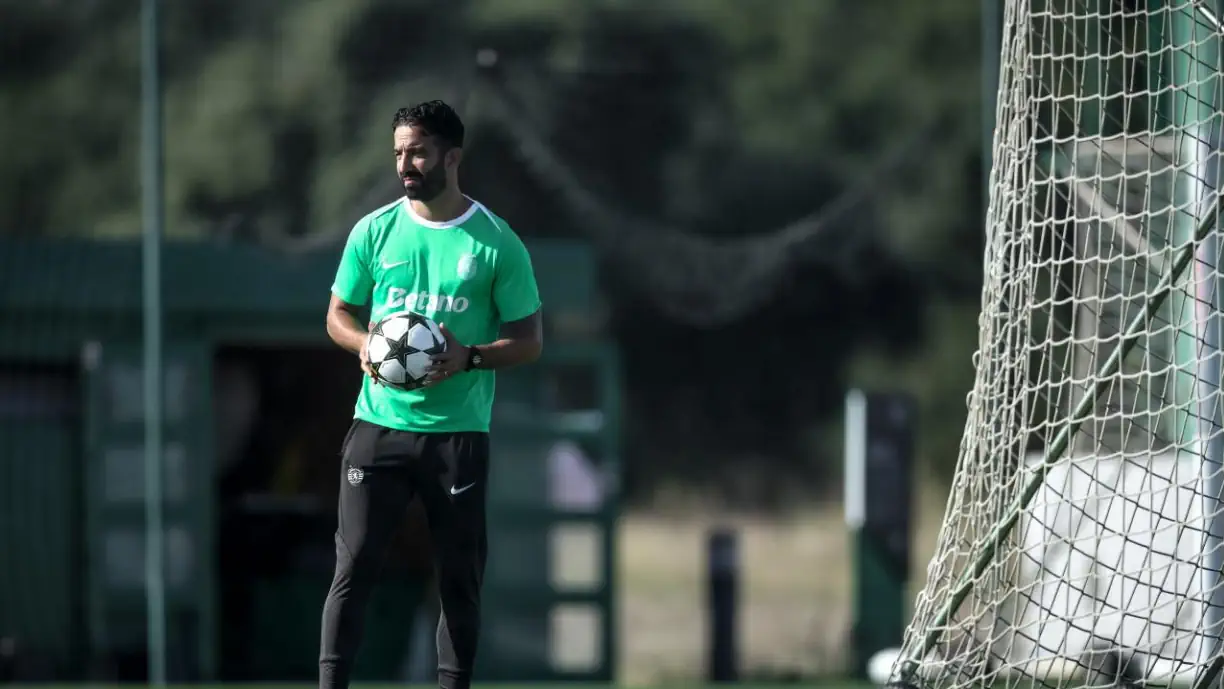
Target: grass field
{"type": "Point", "coordinates": [680, 685]}
{"type": "Point", "coordinates": [274, 685]}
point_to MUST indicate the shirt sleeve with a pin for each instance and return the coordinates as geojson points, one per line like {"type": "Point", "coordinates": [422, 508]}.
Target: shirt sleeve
{"type": "Point", "coordinates": [354, 282]}
{"type": "Point", "coordinates": [515, 293]}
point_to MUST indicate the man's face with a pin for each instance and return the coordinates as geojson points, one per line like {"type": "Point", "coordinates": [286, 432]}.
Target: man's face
{"type": "Point", "coordinates": [421, 163]}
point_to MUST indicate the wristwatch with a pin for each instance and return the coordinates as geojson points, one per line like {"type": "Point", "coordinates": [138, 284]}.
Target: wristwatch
{"type": "Point", "coordinates": [475, 359]}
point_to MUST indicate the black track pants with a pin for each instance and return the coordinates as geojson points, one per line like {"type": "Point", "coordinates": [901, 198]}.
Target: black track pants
{"type": "Point", "coordinates": [382, 470]}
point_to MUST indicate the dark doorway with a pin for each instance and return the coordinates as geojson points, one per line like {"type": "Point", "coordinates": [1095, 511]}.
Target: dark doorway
{"type": "Point", "coordinates": [281, 415]}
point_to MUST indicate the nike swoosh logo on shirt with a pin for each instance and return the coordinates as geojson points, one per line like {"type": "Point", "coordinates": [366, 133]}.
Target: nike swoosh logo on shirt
{"type": "Point", "coordinates": [387, 266]}
{"type": "Point", "coordinates": [456, 491]}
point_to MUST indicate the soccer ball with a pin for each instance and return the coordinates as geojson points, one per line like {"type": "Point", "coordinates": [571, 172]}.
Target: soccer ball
{"type": "Point", "coordinates": [880, 666]}
{"type": "Point", "coordinates": [400, 347]}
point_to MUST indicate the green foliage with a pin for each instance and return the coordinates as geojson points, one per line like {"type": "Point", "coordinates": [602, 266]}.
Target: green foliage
{"type": "Point", "coordinates": [726, 117]}
{"type": "Point", "coordinates": [253, 88]}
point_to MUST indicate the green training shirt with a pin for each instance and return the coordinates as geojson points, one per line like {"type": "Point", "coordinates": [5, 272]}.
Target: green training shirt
{"type": "Point", "coordinates": [471, 273]}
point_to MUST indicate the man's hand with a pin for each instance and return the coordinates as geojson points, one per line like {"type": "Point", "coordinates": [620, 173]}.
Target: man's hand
{"type": "Point", "coordinates": [364, 356]}
{"type": "Point", "coordinates": [450, 362]}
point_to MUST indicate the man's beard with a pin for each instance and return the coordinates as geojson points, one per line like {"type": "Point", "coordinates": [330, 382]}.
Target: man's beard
{"type": "Point", "coordinates": [431, 184]}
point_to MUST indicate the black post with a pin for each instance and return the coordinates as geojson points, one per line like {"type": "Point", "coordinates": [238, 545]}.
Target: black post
{"type": "Point", "coordinates": [723, 563]}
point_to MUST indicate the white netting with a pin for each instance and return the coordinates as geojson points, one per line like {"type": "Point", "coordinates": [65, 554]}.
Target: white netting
{"type": "Point", "coordinates": [1082, 539]}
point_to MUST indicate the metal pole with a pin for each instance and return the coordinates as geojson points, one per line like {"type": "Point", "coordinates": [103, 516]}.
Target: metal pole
{"type": "Point", "coordinates": [1210, 146]}
{"type": "Point", "coordinates": [153, 215]}
{"type": "Point", "coordinates": [1195, 104]}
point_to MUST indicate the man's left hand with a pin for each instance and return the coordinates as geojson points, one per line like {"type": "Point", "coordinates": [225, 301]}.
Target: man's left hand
{"type": "Point", "coordinates": [453, 360]}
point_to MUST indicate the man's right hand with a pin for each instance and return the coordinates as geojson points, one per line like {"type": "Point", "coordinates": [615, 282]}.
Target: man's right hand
{"type": "Point", "coordinates": [345, 329]}
{"type": "Point", "coordinates": [365, 361]}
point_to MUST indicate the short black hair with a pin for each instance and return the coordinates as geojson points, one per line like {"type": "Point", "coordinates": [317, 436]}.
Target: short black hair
{"type": "Point", "coordinates": [436, 118]}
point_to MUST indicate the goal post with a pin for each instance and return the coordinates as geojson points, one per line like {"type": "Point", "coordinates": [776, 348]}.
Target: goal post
{"type": "Point", "coordinates": [1196, 110]}
{"type": "Point", "coordinates": [1083, 538]}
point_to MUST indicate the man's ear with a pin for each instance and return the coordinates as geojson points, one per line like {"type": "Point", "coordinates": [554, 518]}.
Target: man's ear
{"type": "Point", "coordinates": [453, 157]}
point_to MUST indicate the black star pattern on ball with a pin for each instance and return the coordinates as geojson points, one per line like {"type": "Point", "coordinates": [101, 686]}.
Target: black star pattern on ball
{"type": "Point", "coordinates": [396, 349]}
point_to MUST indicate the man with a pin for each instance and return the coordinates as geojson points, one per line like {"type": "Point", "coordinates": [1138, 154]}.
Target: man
{"type": "Point", "coordinates": [439, 253]}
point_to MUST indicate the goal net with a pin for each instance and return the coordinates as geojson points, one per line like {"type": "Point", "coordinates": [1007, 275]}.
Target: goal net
{"type": "Point", "coordinates": [1082, 540]}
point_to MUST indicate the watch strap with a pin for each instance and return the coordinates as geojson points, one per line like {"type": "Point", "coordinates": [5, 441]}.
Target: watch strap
{"type": "Point", "coordinates": [474, 359]}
